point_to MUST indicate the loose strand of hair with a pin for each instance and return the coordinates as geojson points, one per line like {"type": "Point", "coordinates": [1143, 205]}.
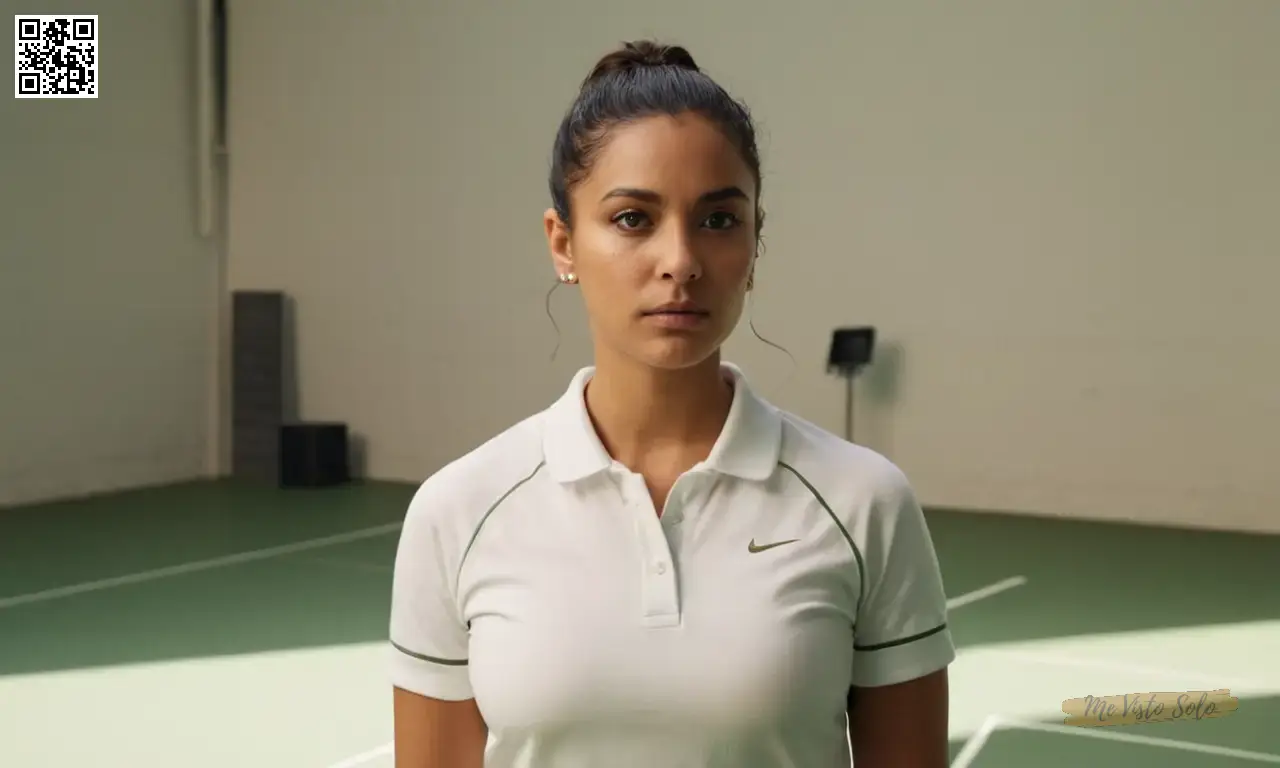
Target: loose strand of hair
{"type": "Point", "coordinates": [751, 323]}
{"type": "Point", "coordinates": [552, 317]}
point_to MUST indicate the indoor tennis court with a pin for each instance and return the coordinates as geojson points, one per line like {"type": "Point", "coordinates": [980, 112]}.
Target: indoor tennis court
{"type": "Point", "coordinates": [216, 624]}
{"type": "Point", "coordinates": [276, 262]}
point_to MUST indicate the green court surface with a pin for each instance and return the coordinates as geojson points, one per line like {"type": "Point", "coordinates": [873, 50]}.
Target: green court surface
{"type": "Point", "coordinates": [213, 624]}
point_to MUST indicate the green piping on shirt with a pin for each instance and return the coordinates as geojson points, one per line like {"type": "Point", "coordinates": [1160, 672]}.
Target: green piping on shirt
{"type": "Point", "coordinates": [476, 532]}
{"type": "Point", "coordinates": [432, 659]}
{"type": "Point", "coordinates": [862, 568]}
{"type": "Point", "coordinates": [903, 641]}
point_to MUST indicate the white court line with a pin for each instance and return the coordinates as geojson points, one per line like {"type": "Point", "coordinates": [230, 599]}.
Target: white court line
{"type": "Point", "coordinates": [364, 757]}
{"type": "Point", "coordinates": [1212, 681]}
{"type": "Point", "coordinates": [973, 746]}
{"type": "Point", "coordinates": [988, 591]}
{"type": "Point", "coordinates": [357, 760]}
{"type": "Point", "coordinates": [1108, 733]}
{"type": "Point", "coordinates": [956, 602]}
{"type": "Point", "coordinates": [996, 722]}
{"type": "Point", "coordinates": [199, 565]}
{"type": "Point", "coordinates": [355, 565]}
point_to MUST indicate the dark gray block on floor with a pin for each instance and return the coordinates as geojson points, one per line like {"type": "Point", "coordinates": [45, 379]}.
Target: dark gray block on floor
{"type": "Point", "coordinates": [257, 383]}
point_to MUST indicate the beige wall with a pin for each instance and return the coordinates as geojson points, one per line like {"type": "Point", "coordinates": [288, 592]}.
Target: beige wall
{"type": "Point", "coordinates": [107, 295]}
{"type": "Point", "coordinates": [1061, 216]}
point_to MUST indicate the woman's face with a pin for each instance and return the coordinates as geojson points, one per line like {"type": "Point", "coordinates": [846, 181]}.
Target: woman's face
{"type": "Point", "coordinates": [663, 240]}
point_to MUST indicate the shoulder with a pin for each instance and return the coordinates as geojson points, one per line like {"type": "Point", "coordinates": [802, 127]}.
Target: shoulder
{"type": "Point", "coordinates": [455, 498]}
{"type": "Point", "coordinates": [852, 476]}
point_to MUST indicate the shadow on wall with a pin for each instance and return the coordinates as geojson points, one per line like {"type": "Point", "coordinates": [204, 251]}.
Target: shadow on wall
{"type": "Point", "coordinates": [357, 455]}
{"type": "Point", "coordinates": [881, 384]}
{"type": "Point", "coordinates": [877, 394]}
{"type": "Point", "coordinates": [291, 409]}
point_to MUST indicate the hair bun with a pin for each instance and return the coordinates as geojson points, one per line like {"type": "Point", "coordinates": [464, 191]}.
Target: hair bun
{"type": "Point", "coordinates": [642, 54]}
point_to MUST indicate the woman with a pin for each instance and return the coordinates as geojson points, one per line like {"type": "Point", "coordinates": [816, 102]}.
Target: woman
{"type": "Point", "coordinates": [662, 570]}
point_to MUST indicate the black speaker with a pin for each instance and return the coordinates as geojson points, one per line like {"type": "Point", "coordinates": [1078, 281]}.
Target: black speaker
{"type": "Point", "coordinates": [313, 455]}
{"type": "Point", "coordinates": [851, 349]}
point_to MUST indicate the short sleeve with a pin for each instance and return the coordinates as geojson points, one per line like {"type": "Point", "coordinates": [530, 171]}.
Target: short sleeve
{"type": "Point", "coordinates": [901, 631]}
{"type": "Point", "coordinates": [429, 642]}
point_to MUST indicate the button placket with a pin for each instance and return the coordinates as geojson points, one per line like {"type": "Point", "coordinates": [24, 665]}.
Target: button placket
{"type": "Point", "coordinates": [657, 570]}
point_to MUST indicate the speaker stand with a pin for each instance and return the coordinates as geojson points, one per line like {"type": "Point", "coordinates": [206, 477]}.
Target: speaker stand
{"type": "Point", "coordinates": [848, 407]}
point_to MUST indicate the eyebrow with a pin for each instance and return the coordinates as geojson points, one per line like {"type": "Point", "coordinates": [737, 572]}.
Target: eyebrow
{"type": "Point", "coordinates": [649, 196]}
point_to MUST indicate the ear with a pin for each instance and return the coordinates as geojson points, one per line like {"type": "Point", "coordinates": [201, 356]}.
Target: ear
{"type": "Point", "coordinates": [558, 242]}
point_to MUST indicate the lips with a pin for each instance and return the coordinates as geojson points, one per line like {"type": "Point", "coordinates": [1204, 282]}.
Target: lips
{"type": "Point", "coordinates": [678, 308]}
{"type": "Point", "coordinates": [678, 318]}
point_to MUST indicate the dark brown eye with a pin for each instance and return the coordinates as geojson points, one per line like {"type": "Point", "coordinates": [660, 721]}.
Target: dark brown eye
{"type": "Point", "coordinates": [722, 220]}
{"type": "Point", "coordinates": [630, 219]}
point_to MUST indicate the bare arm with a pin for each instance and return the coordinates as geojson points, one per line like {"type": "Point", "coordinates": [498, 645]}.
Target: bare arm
{"type": "Point", "coordinates": [902, 725]}
{"type": "Point", "coordinates": [430, 733]}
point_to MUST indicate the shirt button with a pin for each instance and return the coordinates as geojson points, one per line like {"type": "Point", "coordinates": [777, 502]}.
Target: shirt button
{"type": "Point", "coordinates": [661, 568]}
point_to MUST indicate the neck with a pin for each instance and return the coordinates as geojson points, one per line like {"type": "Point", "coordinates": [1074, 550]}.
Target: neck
{"type": "Point", "coordinates": [638, 410]}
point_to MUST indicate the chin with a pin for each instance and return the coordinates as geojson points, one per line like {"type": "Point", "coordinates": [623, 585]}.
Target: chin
{"type": "Point", "coordinates": [676, 354]}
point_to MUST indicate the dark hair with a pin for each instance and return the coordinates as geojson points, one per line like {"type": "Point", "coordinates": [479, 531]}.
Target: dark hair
{"type": "Point", "coordinates": [642, 79]}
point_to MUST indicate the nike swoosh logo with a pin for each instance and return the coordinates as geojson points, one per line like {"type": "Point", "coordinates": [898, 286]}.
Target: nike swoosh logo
{"type": "Point", "coordinates": [753, 547]}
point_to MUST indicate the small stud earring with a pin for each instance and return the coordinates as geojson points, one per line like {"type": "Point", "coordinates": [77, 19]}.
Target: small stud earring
{"type": "Point", "coordinates": [569, 278]}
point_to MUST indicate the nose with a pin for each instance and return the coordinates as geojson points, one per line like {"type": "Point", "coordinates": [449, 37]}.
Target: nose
{"type": "Point", "coordinates": [680, 260]}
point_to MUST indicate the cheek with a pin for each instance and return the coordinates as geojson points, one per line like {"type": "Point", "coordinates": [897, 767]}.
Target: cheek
{"type": "Point", "coordinates": [611, 264]}
{"type": "Point", "coordinates": [734, 265]}
{"type": "Point", "coordinates": [611, 282]}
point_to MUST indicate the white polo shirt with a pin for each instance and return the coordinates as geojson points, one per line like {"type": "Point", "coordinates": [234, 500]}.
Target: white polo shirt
{"type": "Point", "coordinates": [534, 575]}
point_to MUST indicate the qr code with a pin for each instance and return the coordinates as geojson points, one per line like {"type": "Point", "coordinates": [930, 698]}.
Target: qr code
{"type": "Point", "coordinates": [57, 57]}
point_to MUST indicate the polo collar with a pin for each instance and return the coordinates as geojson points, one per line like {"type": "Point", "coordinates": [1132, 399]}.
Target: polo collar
{"type": "Point", "coordinates": [748, 447]}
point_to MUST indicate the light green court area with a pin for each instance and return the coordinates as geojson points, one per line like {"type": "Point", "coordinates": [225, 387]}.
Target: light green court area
{"type": "Point", "coordinates": [212, 624]}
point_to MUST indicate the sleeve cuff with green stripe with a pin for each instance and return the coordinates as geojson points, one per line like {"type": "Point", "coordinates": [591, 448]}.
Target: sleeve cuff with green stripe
{"type": "Point", "coordinates": [436, 678]}
{"type": "Point", "coordinates": [903, 659]}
